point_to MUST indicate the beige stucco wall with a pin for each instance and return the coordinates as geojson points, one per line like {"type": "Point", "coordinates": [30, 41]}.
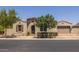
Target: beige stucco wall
{"type": "Point", "coordinates": [75, 31]}
{"type": "Point", "coordinates": [24, 28]}
{"type": "Point", "coordinates": [51, 29]}
{"type": "Point", "coordinates": [10, 31]}
{"type": "Point", "coordinates": [37, 29]}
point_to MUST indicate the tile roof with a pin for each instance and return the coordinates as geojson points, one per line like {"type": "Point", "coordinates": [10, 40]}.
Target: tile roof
{"type": "Point", "coordinates": [76, 24]}
{"type": "Point", "coordinates": [65, 21]}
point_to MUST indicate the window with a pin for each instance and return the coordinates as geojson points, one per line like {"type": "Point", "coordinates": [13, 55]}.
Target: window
{"type": "Point", "coordinates": [19, 28]}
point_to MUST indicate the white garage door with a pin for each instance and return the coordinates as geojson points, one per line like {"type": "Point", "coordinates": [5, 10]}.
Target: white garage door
{"type": "Point", "coordinates": [63, 30]}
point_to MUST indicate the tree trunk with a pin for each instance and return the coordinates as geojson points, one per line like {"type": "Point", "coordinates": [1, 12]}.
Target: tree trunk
{"type": "Point", "coordinates": [5, 32]}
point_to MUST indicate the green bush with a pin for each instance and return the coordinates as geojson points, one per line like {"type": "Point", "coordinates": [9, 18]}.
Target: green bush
{"type": "Point", "coordinates": [1, 28]}
{"type": "Point", "coordinates": [47, 34]}
{"type": "Point", "coordinates": [55, 33]}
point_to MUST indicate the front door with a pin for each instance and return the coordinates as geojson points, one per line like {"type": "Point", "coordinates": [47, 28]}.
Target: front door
{"type": "Point", "coordinates": [33, 29]}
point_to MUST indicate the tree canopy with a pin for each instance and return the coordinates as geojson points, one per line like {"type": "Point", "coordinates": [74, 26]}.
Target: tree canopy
{"type": "Point", "coordinates": [47, 21]}
{"type": "Point", "coordinates": [7, 18]}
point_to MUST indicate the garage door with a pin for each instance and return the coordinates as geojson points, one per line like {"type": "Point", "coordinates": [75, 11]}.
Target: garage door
{"type": "Point", "coordinates": [63, 29]}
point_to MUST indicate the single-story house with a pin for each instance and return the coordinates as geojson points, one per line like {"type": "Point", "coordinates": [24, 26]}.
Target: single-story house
{"type": "Point", "coordinates": [29, 28]}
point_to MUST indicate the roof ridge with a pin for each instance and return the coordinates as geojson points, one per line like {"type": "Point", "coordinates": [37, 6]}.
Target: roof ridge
{"type": "Point", "coordinates": [64, 21]}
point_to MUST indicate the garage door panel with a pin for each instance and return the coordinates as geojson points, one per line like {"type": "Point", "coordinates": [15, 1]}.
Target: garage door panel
{"type": "Point", "coordinates": [63, 30]}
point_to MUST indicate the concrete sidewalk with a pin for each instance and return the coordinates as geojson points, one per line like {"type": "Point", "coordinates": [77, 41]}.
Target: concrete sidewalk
{"type": "Point", "coordinates": [32, 38]}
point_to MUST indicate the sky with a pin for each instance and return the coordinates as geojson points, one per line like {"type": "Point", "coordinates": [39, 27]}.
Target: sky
{"type": "Point", "coordinates": [67, 13]}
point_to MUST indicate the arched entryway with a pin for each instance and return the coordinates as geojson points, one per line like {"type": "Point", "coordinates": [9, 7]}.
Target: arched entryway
{"type": "Point", "coordinates": [33, 29]}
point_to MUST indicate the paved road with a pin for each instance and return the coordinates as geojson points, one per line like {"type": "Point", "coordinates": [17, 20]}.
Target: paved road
{"type": "Point", "coordinates": [39, 46]}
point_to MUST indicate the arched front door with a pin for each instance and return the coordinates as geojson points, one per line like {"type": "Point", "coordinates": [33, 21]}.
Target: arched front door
{"type": "Point", "coordinates": [33, 29]}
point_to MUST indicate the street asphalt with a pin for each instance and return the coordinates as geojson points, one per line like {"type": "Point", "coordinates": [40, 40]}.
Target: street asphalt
{"type": "Point", "coordinates": [39, 45]}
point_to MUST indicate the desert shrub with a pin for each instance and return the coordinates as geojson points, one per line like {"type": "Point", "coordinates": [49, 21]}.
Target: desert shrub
{"type": "Point", "coordinates": [50, 34]}
{"type": "Point", "coordinates": [46, 34]}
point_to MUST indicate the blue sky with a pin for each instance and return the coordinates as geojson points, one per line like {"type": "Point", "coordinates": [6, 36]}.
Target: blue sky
{"type": "Point", "coordinates": [68, 13]}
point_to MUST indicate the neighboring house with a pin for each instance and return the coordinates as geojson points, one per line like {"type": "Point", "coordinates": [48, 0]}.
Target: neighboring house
{"type": "Point", "coordinates": [64, 27]}
{"type": "Point", "coordinates": [23, 27]}
{"type": "Point", "coordinates": [75, 29]}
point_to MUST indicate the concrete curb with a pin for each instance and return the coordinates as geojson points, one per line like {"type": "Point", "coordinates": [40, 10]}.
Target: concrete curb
{"type": "Point", "coordinates": [39, 38]}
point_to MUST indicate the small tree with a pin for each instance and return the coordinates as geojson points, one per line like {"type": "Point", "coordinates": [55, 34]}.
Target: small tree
{"type": "Point", "coordinates": [3, 20]}
{"type": "Point", "coordinates": [7, 19]}
{"type": "Point", "coordinates": [47, 21]}
{"type": "Point", "coordinates": [1, 29]}
{"type": "Point", "coordinates": [12, 18]}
